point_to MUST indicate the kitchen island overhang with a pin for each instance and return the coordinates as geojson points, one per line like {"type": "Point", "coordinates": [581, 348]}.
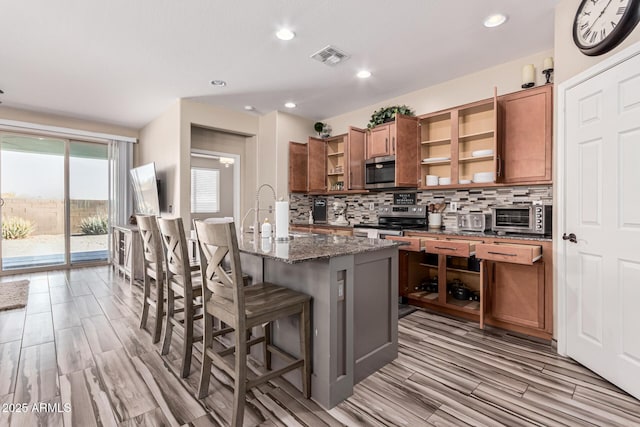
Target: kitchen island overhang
{"type": "Point", "coordinates": [354, 285]}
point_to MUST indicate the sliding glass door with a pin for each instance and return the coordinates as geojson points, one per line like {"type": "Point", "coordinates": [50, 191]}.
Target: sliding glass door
{"type": "Point", "coordinates": [88, 201]}
{"type": "Point", "coordinates": [54, 205]}
{"type": "Point", "coordinates": [32, 187]}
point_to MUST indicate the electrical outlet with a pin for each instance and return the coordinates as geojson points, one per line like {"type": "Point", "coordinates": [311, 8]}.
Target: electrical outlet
{"type": "Point", "coordinates": [453, 207]}
{"type": "Point", "coordinates": [372, 206]}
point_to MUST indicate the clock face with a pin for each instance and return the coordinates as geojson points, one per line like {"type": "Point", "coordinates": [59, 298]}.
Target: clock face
{"type": "Point", "coordinates": [600, 25]}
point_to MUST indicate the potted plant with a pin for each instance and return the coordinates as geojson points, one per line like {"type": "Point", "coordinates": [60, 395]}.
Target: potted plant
{"type": "Point", "coordinates": [323, 129]}
{"type": "Point", "coordinates": [388, 114]}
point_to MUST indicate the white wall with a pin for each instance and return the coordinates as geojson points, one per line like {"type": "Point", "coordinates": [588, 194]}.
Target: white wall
{"type": "Point", "coordinates": [9, 113]}
{"type": "Point", "coordinates": [290, 128]}
{"type": "Point", "coordinates": [160, 143]}
{"type": "Point", "coordinates": [506, 77]}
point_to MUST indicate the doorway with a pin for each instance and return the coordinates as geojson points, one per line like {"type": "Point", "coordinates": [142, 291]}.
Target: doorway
{"type": "Point", "coordinates": [54, 202]}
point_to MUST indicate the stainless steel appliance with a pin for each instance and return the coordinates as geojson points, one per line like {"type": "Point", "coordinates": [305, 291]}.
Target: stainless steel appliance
{"type": "Point", "coordinates": [526, 219]}
{"type": "Point", "coordinates": [474, 221]}
{"type": "Point", "coordinates": [393, 220]}
{"type": "Point", "coordinates": [380, 172]}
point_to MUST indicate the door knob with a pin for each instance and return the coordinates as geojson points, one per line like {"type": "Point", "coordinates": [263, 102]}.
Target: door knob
{"type": "Point", "coordinates": [571, 237]}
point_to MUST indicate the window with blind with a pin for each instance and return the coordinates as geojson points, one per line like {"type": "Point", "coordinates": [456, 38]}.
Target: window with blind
{"type": "Point", "coordinates": [205, 190]}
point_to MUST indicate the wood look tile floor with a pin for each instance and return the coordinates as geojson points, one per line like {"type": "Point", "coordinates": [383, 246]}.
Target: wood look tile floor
{"type": "Point", "coordinates": [77, 342]}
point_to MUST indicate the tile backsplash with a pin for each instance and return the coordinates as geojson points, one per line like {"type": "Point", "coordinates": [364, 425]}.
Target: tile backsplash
{"type": "Point", "coordinates": [468, 200]}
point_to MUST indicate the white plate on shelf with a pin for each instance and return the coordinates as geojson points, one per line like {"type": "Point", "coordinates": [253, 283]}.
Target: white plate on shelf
{"type": "Point", "coordinates": [481, 153]}
{"type": "Point", "coordinates": [444, 181]}
{"type": "Point", "coordinates": [435, 159]}
{"type": "Point", "coordinates": [465, 181]}
{"type": "Point", "coordinates": [482, 177]}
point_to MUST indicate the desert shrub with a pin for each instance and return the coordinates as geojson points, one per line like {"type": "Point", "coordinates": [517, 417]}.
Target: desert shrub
{"type": "Point", "coordinates": [94, 225]}
{"type": "Point", "coordinates": [14, 228]}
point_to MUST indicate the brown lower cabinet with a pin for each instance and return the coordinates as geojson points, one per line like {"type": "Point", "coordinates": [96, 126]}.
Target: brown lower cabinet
{"type": "Point", "coordinates": [508, 282]}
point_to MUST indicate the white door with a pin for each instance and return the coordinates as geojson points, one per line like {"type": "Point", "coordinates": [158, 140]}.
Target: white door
{"type": "Point", "coordinates": [602, 176]}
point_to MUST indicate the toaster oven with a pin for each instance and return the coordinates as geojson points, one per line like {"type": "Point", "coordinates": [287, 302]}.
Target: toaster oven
{"type": "Point", "coordinates": [525, 219]}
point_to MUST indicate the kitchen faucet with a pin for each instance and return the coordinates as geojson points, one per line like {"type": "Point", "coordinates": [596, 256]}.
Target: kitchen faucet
{"type": "Point", "coordinates": [256, 210]}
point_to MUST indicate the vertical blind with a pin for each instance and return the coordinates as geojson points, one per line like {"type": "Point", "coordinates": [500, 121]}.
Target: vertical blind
{"type": "Point", "coordinates": [205, 190]}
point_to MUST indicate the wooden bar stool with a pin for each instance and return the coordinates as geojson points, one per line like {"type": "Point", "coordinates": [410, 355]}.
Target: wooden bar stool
{"type": "Point", "coordinates": [240, 307]}
{"type": "Point", "coordinates": [152, 271]}
{"type": "Point", "coordinates": [181, 282]}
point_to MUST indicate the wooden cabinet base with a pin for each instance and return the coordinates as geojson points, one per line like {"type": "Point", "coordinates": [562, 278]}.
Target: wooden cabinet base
{"type": "Point", "coordinates": [516, 295]}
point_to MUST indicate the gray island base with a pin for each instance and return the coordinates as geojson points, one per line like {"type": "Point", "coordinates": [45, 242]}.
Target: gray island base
{"type": "Point", "coordinates": [354, 285]}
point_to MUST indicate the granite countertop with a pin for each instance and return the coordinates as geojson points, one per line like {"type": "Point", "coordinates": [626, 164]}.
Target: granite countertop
{"type": "Point", "coordinates": [305, 246]}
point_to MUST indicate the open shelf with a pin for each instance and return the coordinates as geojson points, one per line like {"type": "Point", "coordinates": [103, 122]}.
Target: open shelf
{"type": "Point", "coordinates": [461, 270]}
{"type": "Point", "coordinates": [436, 141]}
{"type": "Point", "coordinates": [335, 174]}
{"type": "Point", "coordinates": [428, 265]}
{"type": "Point", "coordinates": [466, 305]}
{"type": "Point", "coordinates": [439, 162]}
{"type": "Point", "coordinates": [424, 296]}
{"type": "Point", "coordinates": [476, 135]}
{"type": "Point", "coordinates": [475, 159]}
{"type": "Point", "coordinates": [340, 153]}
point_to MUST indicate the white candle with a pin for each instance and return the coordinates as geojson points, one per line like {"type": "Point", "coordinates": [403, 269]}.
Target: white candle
{"type": "Point", "coordinates": [528, 74]}
{"type": "Point", "coordinates": [547, 63]}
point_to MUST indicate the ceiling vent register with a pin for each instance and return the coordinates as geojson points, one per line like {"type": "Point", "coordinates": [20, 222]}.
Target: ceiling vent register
{"type": "Point", "coordinates": [330, 55]}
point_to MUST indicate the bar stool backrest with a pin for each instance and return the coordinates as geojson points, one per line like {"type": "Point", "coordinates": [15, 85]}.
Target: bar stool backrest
{"type": "Point", "coordinates": [215, 241]}
{"type": "Point", "coordinates": [176, 253]}
{"type": "Point", "coordinates": [151, 245]}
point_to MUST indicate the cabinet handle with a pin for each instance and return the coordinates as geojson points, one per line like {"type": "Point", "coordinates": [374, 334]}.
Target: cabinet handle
{"type": "Point", "coordinates": [501, 253]}
{"type": "Point", "coordinates": [350, 178]}
{"type": "Point", "coordinates": [386, 144]}
{"type": "Point", "coordinates": [393, 144]}
{"type": "Point", "coordinates": [499, 172]}
{"type": "Point", "coordinates": [446, 248]}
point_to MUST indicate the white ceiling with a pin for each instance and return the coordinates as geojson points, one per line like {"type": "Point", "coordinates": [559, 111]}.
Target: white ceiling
{"type": "Point", "coordinates": [125, 62]}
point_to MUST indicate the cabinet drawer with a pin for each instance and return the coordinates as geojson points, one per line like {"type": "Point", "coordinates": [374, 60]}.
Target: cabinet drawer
{"type": "Point", "coordinates": [416, 244]}
{"type": "Point", "coordinates": [461, 248]}
{"type": "Point", "coordinates": [509, 252]}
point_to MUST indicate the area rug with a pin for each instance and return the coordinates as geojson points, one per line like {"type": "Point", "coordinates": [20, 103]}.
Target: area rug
{"type": "Point", "coordinates": [14, 294]}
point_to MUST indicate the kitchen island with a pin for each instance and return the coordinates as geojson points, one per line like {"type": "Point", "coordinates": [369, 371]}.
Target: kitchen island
{"type": "Point", "coordinates": [354, 285]}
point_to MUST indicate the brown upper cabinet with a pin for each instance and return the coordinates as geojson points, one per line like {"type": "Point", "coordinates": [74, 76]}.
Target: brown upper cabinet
{"type": "Point", "coordinates": [328, 165]}
{"type": "Point", "coordinates": [355, 158]}
{"type": "Point", "coordinates": [379, 141]}
{"type": "Point", "coordinates": [526, 127]}
{"type": "Point", "coordinates": [397, 139]}
{"type": "Point", "coordinates": [316, 165]}
{"type": "Point", "coordinates": [297, 167]}
{"type": "Point", "coordinates": [458, 143]}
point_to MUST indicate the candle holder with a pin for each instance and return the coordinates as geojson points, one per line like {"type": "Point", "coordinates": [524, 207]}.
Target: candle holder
{"type": "Point", "coordinates": [547, 73]}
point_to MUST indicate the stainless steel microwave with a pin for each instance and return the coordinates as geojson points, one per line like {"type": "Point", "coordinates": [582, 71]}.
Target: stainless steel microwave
{"type": "Point", "coordinates": [526, 219]}
{"type": "Point", "coordinates": [380, 172]}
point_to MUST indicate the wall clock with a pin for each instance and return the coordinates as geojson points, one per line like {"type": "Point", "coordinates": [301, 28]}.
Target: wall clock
{"type": "Point", "coordinates": [601, 25]}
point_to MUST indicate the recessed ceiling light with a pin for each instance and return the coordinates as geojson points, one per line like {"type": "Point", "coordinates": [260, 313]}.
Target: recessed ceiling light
{"type": "Point", "coordinates": [249, 107]}
{"type": "Point", "coordinates": [219, 83]}
{"type": "Point", "coordinates": [495, 20]}
{"type": "Point", "coordinates": [285, 34]}
{"type": "Point", "coordinates": [290, 105]}
{"type": "Point", "coordinates": [364, 74]}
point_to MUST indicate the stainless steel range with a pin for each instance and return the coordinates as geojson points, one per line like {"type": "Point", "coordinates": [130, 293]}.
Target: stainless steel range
{"type": "Point", "coordinates": [393, 220]}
